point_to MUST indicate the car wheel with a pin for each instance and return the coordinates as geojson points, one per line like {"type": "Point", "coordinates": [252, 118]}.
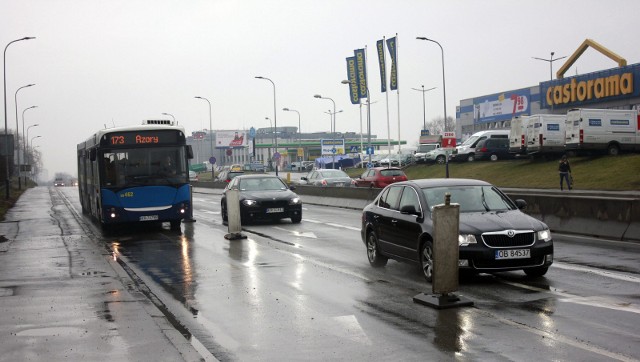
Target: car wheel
{"type": "Point", "coordinates": [426, 260]}
{"type": "Point", "coordinates": [373, 253]}
{"type": "Point", "coordinates": [471, 157]}
{"type": "Point", "coordinates": [440, 160]}
{"type": "Point", "coordinates": [296, 219]}
{"type": "Point", "coordinates": [223, 212]}
{"type": "Point", "coordinates": [494, 157]}
{"type": "Point", "coordinates": [536, 272]}
{"type": "Point", "coordinates": [613, 150]}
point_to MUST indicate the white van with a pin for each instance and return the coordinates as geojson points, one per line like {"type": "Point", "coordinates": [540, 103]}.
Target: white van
{"type": "Point", "coordinates": [545, 134]}
{"type": "Point", "coordinates": [517, 142]}
{"type": "Point", "coordinates": [610, 130]}
{"type": "Point", "coordinates": [467, 150]}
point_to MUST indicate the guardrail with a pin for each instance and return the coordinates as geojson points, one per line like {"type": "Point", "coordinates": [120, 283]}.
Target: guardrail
{"type": "Point", "coordinates": [612, 215]}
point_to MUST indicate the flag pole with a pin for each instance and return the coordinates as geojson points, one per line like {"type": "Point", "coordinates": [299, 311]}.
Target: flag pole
{"type": "Point", "coordinates": [398, 93]}
{"type": "Point", "coordinates": [386, 95]}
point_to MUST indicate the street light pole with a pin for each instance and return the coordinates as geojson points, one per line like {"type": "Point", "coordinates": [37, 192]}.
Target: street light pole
{"type": "Point", "coordinates": [424, 104]}
{"type": "Point", "coordinates": [18, 146]}
{"type": "Point", "coordinates": [210, 136]}
{"type": "Point", "coordinates": [275, 120]}
{"type": "Point", "coordinates": [273, 139]}
{"type": "Point", "coordinates": [550, 60]}
{"type": "Point", "coordinates": [6, 136]}
{"type": "Point", "coordinates": [333, 128]}
{"type": "Point", "coordinates": [299, 130]}
{"type": "Point", "coordinates": [171, 115]}
{"type": "Point", "coordinates": [369, 103]}
{"type": "Point", "coordinates": [444, 92]}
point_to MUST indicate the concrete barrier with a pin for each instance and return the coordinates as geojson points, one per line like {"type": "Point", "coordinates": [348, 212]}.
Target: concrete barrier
{"type": "Point", "coordinates": [613, 215]}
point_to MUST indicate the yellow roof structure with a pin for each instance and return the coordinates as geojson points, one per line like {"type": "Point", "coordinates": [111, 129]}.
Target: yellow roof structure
{"type": "Point", "coordinates": [582, 48]}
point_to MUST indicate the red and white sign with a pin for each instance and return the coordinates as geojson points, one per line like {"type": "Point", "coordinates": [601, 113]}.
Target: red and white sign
{"type": "Point", "coordinates": [449, 140]}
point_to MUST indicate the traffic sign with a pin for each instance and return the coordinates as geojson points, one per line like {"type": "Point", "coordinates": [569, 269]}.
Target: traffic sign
{"type": "Point", "coordinates": [369, 165]}
{"type": "Point", "coordinates": [276, 156]}
{"type": "Point", "coordinates": [252, 132]}
{"type": "Point", "coordinates": [212, 160]}
{"type": "Point", "coordinates": [333, 150]}
{"type": "Point", "coordinates": [370, 150]}
{"type": "Point", "coordinates": [355, 149]}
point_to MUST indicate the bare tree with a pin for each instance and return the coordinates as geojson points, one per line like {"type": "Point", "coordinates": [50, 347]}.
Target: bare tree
{"type": "Point", "coordinates": [439, 126]}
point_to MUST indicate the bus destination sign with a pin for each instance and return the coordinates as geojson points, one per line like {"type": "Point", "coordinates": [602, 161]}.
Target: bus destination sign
{"type": "Point", "coordinates": [141, 138]}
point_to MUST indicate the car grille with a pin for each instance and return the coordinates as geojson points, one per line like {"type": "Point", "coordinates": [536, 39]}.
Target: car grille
{"type": "Point", "coordinates": [276, 203]}
{"type": "Point", "coordinates": [503, 240]}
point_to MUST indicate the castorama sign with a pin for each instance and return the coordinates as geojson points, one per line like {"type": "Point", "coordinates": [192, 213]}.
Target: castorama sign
{"type": "Point", "coordinates": [601, 86]}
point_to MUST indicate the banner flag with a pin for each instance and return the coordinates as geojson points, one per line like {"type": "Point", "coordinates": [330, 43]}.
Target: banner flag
{"type": "Point", "coordinates": [393, 80]}
{"type": "Point", "coordinates": [354, 96]}
{"type": "Point", "coordinates": [383, 68]}
{"type": "Point", "coordinates": [361, 74]}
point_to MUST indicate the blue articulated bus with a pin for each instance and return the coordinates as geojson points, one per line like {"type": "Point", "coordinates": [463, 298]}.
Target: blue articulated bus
{"type": "Point", "coordinates": [136, 174]}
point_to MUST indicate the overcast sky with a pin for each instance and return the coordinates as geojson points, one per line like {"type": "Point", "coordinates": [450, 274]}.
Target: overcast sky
{"type": "Point", "coordinates": [98, 63]}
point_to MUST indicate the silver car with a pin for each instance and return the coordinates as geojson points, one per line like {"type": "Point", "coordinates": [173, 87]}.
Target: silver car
{"type": "Point", "coordinates": [328, 178]}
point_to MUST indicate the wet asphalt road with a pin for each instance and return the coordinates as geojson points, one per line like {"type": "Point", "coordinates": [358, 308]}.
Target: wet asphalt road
{"type": "Point", "coordinates": [307, 292]}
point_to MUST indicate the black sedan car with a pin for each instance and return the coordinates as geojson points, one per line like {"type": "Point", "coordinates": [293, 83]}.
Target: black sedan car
{"type": "Point", "coordinates": [494, 234]}
{"type": "Point", "coordinates": [263, 197]}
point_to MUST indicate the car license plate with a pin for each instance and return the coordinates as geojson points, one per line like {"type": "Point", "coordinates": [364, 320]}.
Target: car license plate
{"type": "Point", "coordinates": [513, 254]}
{"type": "Point", "coordinates": [148, 217]}
{"type": "Point", "coordinates": [339, 184]}
{"type": "Point", "coordinates": [275, 210]}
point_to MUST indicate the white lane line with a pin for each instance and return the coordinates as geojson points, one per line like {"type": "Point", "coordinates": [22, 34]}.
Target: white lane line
{"type": "Point", "coordinates": [332, 224]}
{"type": "Point", "coordinates": [604, 273]}
{"type": "Point", "coordinates": [298, 233]}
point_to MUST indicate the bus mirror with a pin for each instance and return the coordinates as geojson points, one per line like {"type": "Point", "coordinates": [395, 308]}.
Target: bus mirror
{"type": "Point", "coordinates": [189, 152]}
{"type": "Point", "coordinates": [92, 155]}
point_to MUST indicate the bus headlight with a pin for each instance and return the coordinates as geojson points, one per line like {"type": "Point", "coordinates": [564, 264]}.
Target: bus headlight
{"type": "Point", "coordinates": [112, 213]}
{"type": "Point", "coordinates": [464, 240]}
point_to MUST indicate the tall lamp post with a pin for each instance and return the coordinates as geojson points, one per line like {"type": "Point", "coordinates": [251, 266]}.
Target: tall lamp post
{"type": "Point", "coordinates": [171, 115]}
{"type": "Point", "coordinates": [273, 141]}
{"type": "Point", "coordinates": [17, 145]}
{"type": "Point", "coordinates": [25, 142]}
{"type": "Point", "coordinates": [299, 130]}
{"type": "Point", "coordinates": [550, 60]}
{"type": "Point", "coordinates": [333, 127]}
{"type": "Point", "coordinates": [210, 136]}
{"type": "Point", "coordinates": [6, 136]}
{"type": "Point", "coordinates": [275, 120]}
{"type": "Point", "coordinates": [424, 104]}
{"type": "Point", "coordinates": [444, 92]}
{"type": "Point", "coordinates": [24, 155]}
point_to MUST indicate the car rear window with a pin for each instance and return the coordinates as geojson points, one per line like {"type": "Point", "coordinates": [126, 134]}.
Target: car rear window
{"type": "Point", "coordinates": [389, 173]}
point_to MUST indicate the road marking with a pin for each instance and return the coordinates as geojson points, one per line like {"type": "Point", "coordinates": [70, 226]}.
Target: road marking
{"type": "Point", "coordinates": [332, 224]}
{"type": "Point", "coordinates": [604, 273]}
{"type": "Point", "coordinates": [298, 233]}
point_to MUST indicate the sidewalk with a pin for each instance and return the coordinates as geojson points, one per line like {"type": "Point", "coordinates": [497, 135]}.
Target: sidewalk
{"type": "Point", "coordinates": [63, 297]}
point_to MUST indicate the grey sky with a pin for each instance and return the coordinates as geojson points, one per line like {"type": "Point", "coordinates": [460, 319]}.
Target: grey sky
{"type": "Point", "coordinates": [100, 63]}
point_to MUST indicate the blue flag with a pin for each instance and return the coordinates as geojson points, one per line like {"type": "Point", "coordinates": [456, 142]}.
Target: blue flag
{"type": "Point", "coordinates": [361, 72]}
{"type": "Point", "coordinates": [354, 96]}
{"type": "Point", "coordinates": [383, 68]}
{"type": "Point", "coordinates": [393, 81]}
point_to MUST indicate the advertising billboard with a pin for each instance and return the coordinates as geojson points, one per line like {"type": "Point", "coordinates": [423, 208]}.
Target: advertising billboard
{"type": "Point", "coordinates": [332, 147]}
{"type": "Point", "coordinates": [501, 106]}
{"type": "Point", "coordinates": [231, 139]}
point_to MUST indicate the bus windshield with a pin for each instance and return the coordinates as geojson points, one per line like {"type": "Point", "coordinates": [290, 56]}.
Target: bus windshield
{"type": "Point", "coordinates": [143, 166]}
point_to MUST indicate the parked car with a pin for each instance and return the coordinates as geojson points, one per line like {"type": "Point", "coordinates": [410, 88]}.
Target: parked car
{"type": "Point", "coordinates": [493, 149]}
{"type": "Point", "coordinates": [193, 176]}
{"type": "Point", "coordinates": [228, 175]}
{"type": "Point", "coordinates": [439, 156]}
{"type": "Point", "coordinates": [255, 166]}
{"type": "Point", "coordinates": [467, 150]}
{"type": "Point", "coordinates": [263, 197]}
{"type": "Point", "coordinates": [380, 177]}
{"type": "Point", "coordinates": [494, 234]}
{"type": "Point", "coordinates": [328, 178]}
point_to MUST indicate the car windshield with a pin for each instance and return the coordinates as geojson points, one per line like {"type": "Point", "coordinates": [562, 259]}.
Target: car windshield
{"type": "Point", "coordinates": [332, 173]}
{"type": "Point", "coordinates": [470, 198]}
{"type": "Point", "coordinates": [469, 141]}
{"type": "Point", "coordinates": [261, 184]}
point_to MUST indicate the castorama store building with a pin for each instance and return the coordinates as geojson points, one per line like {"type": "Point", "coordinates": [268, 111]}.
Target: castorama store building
{"type": "Point", "coordinates": [615, 88]}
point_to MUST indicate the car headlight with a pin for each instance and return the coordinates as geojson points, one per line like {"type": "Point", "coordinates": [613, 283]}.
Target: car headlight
{"type": "Point", "coordinates": [544, 235]}
{"type": "Point", "coordinates": [294, 201]}
{"type": "Point", "coordinates": [464, 240]}
{"type": "Point", "coordinates": [249, 202]}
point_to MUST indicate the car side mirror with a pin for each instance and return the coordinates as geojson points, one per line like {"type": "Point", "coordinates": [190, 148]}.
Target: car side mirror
{"type": "Point", "coordinates": [409, 210]}
{"type": "Point", "coordinates": [521, 204]}
{"type": "Point", "coordinates": [291, 187]}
